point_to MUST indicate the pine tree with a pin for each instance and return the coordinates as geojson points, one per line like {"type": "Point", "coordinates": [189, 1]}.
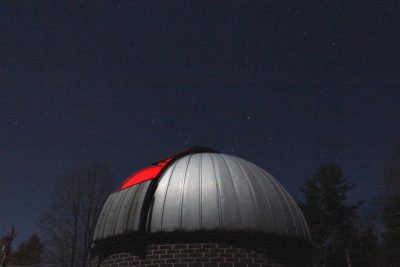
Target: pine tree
{"type": "Point", "coordinates": [328, 215]}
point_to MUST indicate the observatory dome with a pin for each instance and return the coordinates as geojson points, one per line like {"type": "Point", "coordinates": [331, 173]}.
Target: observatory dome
{"type": "Point", "coordinates": [202, 190]}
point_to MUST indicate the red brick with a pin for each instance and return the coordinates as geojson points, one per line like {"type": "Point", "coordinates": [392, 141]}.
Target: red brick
{"type": "Point", "coordinates": [216, 260]}
{"type": "Point", "coordinates": [195, 246]}
{"type": "Point", "coordinates": [188, 260]}
{"type": "Point", "coordinates": [187, 250]}
{"type": "Point", "coordinates": [225, 255]}
{"type": "Point", "coordinates": [230, 252]}
{"type": "Point", "coordinates": [173, 261]}
{"type": "Point", "coordinates": [172, 251]}
{"type": "Point", "coordinates": [165, 247]}
{"type": "Point", "coordinates": [181, 255]}
{"type": "Point", "coordinates": [158, 261]}
{"type": "Point", "coordinates": [201, 260]}
{"type": "Point", "coordinates": [180, 246]}
{"type": "Point", "coordinates": [166, 256]}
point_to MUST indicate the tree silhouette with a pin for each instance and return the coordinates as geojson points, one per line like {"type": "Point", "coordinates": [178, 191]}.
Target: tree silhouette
{"type": "Point", "coordinates": [75, 205]}
{"type": "Point", "coordinates": [5, 246]}
{"type": "Point", "coordinates": [391, 207]}
{"type": "Point", "coordinates": [29, 252]}
{"type": "Point", "coordinates": [328, 215]}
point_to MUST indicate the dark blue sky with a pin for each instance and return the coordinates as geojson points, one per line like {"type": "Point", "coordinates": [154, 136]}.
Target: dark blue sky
{"type": "Point", "coordinates": [289, 87]}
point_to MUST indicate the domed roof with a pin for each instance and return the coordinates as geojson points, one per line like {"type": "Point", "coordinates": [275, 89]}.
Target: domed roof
{"type": "Point", "coordinates": [204, 192]}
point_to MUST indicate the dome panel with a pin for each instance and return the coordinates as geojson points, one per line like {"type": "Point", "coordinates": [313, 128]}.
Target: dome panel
{"type": "Point", "coordinates": [211, 191]}
{"type": "Point", "coordinates": [127, 201]}
{"type": "Point", "coordinates": [204, 191]}
{"type": "Point", "coordinates": [122, 212]}
{"type": "Point", "coordinates": [157, 210]}
{"type": "Point", "coordinates": [228, 202]}
{"type": "Point", "coordinates": [274, 199]}
{"type": "Point", "coordinates": [245, 198]}
{"type": "Point", "coordinates": [191, 194]}
{"type": "Point", "coordinates": [101, 221]}
{"type": "Point", "coordinates": [261, 200]}
{"type": "Point", "coordinates": [172, 206]}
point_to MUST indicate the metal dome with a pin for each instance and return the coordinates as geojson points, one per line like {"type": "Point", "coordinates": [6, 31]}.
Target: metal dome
{"type": "Point", "coordinates": [204, 192]}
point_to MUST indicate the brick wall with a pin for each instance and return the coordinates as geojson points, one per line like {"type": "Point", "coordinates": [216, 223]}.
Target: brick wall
{"type": "Point", "coordinates": [200, 250]}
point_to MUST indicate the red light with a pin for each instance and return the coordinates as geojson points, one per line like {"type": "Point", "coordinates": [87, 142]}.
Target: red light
{"type": "Point", "coordinates": [152, 172]}
{"type": "Point", "coordinates": [144, 174]}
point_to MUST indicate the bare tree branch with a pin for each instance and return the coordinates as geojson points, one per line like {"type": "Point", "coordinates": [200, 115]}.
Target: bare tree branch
{"type": "Point", "coordinates": [75, 206]}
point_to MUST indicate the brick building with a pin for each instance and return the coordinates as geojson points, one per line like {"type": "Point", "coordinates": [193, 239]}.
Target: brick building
{"type": "Point", "coordinates": [201, 208]}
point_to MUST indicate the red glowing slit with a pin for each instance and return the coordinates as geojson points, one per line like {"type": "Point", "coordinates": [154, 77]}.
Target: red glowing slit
{"type": "Point", "coordinates": [144, 174]}
{"type": "Point", "coordinates": [152, 172]}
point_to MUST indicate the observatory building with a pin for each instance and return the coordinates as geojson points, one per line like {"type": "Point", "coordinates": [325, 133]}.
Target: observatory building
{"type": "Point", "coordinates": [199, 207]}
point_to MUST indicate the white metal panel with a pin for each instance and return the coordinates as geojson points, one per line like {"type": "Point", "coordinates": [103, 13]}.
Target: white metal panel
{"type": "Point", "coordinates": [134, 216]}
{"type": "Point", "coordinates": [123, 216]}
{"type": "Point", "coordinates": [228, 198]}
{"type": "Point", "coordinates": [191, 195]}
{"type": "Point", "coordinates": [98, 232]}
{"type": "Point", "coordinates": [205, 191]}
{"type": "Point", "coordinates": [159, 198]}
{"type": "Point", "coordinates": [210, 200]}
{"type": "Point", "coordinates": [171, 216]}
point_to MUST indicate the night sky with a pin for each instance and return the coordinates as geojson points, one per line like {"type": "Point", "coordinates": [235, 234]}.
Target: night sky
{"type": "Point", "coordinates": [289, 87]}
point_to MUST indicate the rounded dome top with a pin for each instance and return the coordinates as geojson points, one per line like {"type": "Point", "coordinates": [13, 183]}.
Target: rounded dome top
{"type": "Point", "coordinates": [204, 192]}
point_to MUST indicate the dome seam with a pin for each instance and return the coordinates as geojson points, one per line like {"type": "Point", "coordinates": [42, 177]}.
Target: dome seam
{"type": "Point", "coordinates": [253, 197]}
{"type": "Point", "coordinates": [279, 200]}
{"type": "Point", "coordinates": [119, 211]}
{"type": "Point", "coordinates": [165, 196]}
{"type": "Point", "coordinates": [235, 192]}
{"type": "Point", "coordinates": [266, 197]}
{"type": "Point", "coordinates": [131, 205]}
{"type": "Point", "coordinates": [201, 192]}
{"type": "Point", "coordinates": [218, 192]}
{"type": "Point", "coordinates": [182, 190]}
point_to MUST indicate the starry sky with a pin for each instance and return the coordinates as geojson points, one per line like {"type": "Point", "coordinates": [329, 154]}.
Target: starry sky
{"type": "Point", "coordinates": [288, 86]}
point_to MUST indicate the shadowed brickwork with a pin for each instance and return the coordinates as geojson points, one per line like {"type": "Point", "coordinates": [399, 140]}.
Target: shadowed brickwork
{"type": "Point", "coordinates": [201, 249]}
